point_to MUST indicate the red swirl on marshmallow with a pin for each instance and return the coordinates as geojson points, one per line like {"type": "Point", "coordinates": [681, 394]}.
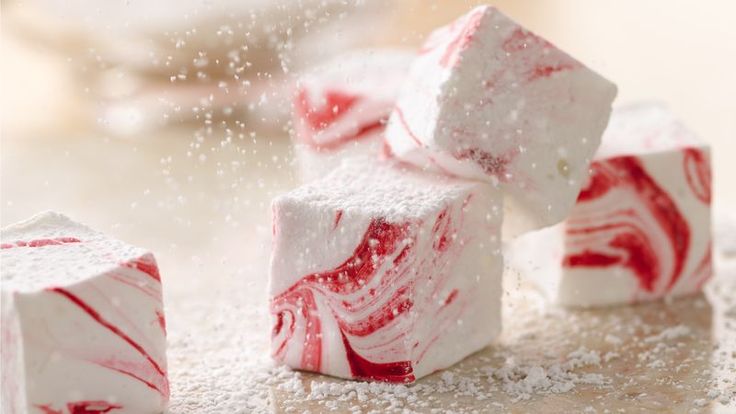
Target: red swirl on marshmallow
{"type": "Point", "coordinates": [377, 270]}
{"type": "Point", "coordinates": [487, 99]}
{"type": "Point", "coordinates": [341, 107]}
{"type": "Point", "coordinates": [641, 227]}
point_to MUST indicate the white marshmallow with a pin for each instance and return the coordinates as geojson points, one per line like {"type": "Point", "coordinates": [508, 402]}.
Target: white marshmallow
{"type": "Point", "coordinates": [341, 107]}
{"type": "Point", "coordinates": [377, 272]}
{"type": "Point", "coordinates": [641, 227]}
{"type": "Point", "coordinates": [82, 322]}
{"type": "Point", "coordinates": [487, 99]}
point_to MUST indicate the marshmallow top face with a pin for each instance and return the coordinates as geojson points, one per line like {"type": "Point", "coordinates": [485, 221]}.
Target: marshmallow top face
{"type": "Point", "coordinates": [83, 325]}
{"type": "Point", "coordinates": [645, 128]}
{"type": "Point", "coordinates": [367, 188]}
{"type": "Point", "coordinates": [50, 249]}
{"type": "Point", "coordinates": [374, 267]}
{"type": "Point", "coordinates": [640, 229]}
{"type": "Point", "coordinates": [348, 98]}
{"type": "Point", "coordinates": [487, 99]}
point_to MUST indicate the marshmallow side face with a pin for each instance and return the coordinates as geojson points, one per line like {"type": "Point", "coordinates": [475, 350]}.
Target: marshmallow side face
{"type": "Point", "coordinates": [378, 285]}
{"type": "Point", "coordinates": [341, 107]}
{"type": "Point", "coordinates": [641, 227]}
{"type": "Point", "coordinates": [93, 340]}
{"type": "Point", "coordinates": [487, 99]}
{"type": "Point", "coordinates": [12, 379]}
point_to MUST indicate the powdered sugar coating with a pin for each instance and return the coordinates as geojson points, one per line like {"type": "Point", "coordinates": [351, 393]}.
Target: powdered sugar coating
{"type": "Point", "coordinates": [369, 188]}
{"type": "Point", "coordinates": [314, 164]}
{"type": "Point", "coordinates": [376, 270]}
{"type": "Point", "coordinates": [62, 253]}
{"type": "Point", "coordinates": [489, 100]}
{"type": "Point", "coordinates": [83, 326]}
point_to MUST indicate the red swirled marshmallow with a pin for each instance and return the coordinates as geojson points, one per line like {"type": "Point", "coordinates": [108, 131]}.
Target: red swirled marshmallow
{"type": "Point", "coordinates": [379, 273]}
{"type": "Point", "coordinates": [340, 108]}
{"type": "Point", "coordinates": [640, 229]}
{"type": "Point", "coordinates": [487, 99]}
{"type": "Point", "coordinates": [83, 328]}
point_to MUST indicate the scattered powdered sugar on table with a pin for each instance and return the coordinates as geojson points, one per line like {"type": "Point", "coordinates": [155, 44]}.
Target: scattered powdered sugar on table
{"type": "Point", "coordinates": [669, 334]}
{"type": "Point", "coordinates": [518, 380]}
{"type": "Point", "coordinates": [523, 381]}
{"type": "Point", "coordinates": [659, 356]}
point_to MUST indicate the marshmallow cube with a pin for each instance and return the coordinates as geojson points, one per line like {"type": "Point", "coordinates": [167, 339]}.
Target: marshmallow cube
{"type": "Point", "coordinates": [487, 99]}
{"type": "Point", "coordinates": [641, 227]}
{"type": "Point", "coordinates": [341, 107]}
{"type": "Point", "coordinates": [383, 274]}
{"type": "Point", "coordinates": [83, 327]}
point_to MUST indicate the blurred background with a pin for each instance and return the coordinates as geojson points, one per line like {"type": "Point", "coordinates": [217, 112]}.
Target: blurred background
{"type": "Point", "coordinates": [165, 123]}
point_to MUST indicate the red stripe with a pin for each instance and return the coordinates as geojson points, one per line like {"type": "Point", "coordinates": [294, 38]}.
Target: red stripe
{"type": "Point", "coordinates": [451, 297]}
{"type": "Point", "coordinates": [91, 407]}
{"type": "Point", "coordinates": [405, 125]}
{"type": "Point", "coordinates": [152, 295]}
{"type": "Point", "coordinates": [697, 173]}
{"type": "Point", "coordinates": [416, 140]}
{"type": "Point", "coordinates": [112, 328]}
{"type": "Point", "coordinates": [46, 409]}
{"type": "Point", "coordinates": [336, 103]}
{"type": "Point", "coordinates": [40, 242]}
{"type": "Point", "coordinates": [145, 265]}
{"type": "Point", "coordinates": [462, 39]}
{"type": "Point", "coordinates": [338, 216]}
{"type": "Point", "coordinates": [130, 374]}
{"type": "Point", "coordinates": [362, 368]}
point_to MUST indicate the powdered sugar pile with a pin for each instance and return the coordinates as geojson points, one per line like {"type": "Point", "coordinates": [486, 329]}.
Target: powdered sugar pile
{"type": "Point", "coordinates": [669, 334]}
{"type": "Point", "coordinates": [518, 381]}
{"type": "Point", "coordinates": [522, 382]}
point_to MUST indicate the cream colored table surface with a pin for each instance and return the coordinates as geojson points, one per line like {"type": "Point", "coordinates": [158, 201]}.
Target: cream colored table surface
{"type": "Point", "coordinates": [203, 207]}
